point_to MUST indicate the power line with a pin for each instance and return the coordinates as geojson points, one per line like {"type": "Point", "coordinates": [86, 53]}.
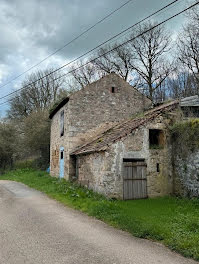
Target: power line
{"type": "Point", "coordinates": [126, 42]}
{"type": "Point", "coordinates": [93, 49]}
{"type": "Point", "coordinates": [68, 43]}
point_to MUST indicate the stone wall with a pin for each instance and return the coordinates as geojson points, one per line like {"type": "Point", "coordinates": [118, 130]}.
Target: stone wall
{"type": "Point", "coordinates": [56, 142]}
{"type": "Point", "coordinates": [185, 143]}
{"type": "Point", "coordinates": [97, 171]}
{"type": "Point", "coordinates": [96, 103]}
{"type": "Point", "coordinates": [186, 172]}
{"type": "Point", "coordinates": [89, 109]}
{"type": "Point", "coordinates": [103, 171]}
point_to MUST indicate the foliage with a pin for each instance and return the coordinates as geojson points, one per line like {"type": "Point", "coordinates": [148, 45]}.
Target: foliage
{"type": "Point", "coordinates": [37, 137]}
{"type": "Point", "coordinates": [142, 218]}
{"type": "Point", "coordinates": [7, 145]}
{"type": "Point", "coordinates": [38, 91]}
{"type": "Point", "coordinates": [185, 137]}
{"type": "Point", "coordinates": [29, 114]}
{"type": "Point", "coordinates": [156, 146]}
{"type": "Point", "coordinates": [24, 164]}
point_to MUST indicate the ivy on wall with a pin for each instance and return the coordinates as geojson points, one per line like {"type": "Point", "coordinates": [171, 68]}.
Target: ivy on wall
{"type": "Point", "coordinates": [185, 137]}
{"type": "Point", "coordinates": [185, 148]}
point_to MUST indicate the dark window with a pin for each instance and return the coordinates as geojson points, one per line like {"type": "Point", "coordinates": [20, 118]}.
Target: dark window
{"type": "Point", "coordinates": [62, 154]}
{"type": "Point", "coordinates": [156, 139]}
{"type": "Point", "coordinates": [62, 123]}
{"type": "Point", "coordinates": [133, 160]}
{"type": "Point", "coordinates": [113, 89]}
{"type": "Point", "coordinates": [158, 167]}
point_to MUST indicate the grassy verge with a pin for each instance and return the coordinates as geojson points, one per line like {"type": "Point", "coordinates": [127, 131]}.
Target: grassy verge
{"type": "Point", "coordinates": [173, 221]}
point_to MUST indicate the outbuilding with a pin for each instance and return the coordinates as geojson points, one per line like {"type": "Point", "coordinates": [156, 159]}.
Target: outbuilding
{"type": "Point", "coordinates": [131, 160]}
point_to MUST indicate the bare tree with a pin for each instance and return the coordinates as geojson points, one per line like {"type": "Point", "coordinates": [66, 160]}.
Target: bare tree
{"type": "Point", "coordinates": [181, 84]}
{"type": "Point", "coordinates": [193, 14]}
{"type": "Point", "coordinates": [36, 95]}
{"type": "Point", "coordinates": [104, 62]}
{"type": "Point", "coordinates": [83, 75]}
{"type": "Point", "coordinates": [188, 48]}
{"type": "Point", "coordinates": [150, 49]}
{"type": "Point", "coordinates": [119, 60]}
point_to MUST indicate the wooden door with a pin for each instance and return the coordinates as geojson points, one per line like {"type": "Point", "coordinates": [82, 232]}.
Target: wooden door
{"type": "Point", "coordinates": [135, 181]}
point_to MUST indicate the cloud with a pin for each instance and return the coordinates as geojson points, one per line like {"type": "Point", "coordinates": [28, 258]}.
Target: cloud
{"type": "Point", "coordinates": [31, 30]}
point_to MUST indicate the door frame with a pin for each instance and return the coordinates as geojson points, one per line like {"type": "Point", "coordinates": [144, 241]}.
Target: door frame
{"type": "Point", "coordinates": [133, 160]}
{"type": "Point", "coordinates": [61, 163]}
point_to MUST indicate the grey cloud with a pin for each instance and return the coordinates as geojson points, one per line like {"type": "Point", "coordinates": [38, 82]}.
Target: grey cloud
{"type": "Point", "coordinates": [30, 30]}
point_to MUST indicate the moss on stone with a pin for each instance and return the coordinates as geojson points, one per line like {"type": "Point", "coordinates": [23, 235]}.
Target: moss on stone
{"type": "Point", "coordinates": [185, 136]}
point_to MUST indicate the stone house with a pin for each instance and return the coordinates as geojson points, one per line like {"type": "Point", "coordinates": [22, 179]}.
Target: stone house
{"type": "Point", "coordinates": [132, 159]}
{"type": "Point", "coordinates": [79, 117]}
{"type": "Point", "coordinates": [104, 138]}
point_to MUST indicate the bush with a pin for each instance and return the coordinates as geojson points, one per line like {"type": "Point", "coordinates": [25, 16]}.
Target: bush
{"type": "Point", "coordinates": [24, 164]}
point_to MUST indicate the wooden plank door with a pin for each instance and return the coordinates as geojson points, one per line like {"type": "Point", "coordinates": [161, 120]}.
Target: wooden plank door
{"type": "Point", "coordinates": [135, 181]}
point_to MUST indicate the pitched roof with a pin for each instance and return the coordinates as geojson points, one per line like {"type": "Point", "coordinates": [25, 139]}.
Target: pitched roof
{"type": "Point", "coordinates": [110, 136]}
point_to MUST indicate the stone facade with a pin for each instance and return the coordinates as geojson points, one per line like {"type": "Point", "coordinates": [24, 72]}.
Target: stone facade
{"type": "Point", "coordinates": [100, 104]}
{"type": "Point", "coordinates": [186, 173]}
{"type": "Point", "coordinates": [103, 171]}
{"type": "Point", "coordinates": [103, 133]}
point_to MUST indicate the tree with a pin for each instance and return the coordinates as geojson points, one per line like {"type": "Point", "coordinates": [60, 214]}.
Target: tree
{"type": "Point", "coordinates": [181, 84]}
{"type": "Point", "coordinates": [188, 45]}
{"type": "Point", "coordinates": [37, 136]}
{"type": "Point", "coordinates": [29, 113]}
{"type": "Point", "coordinates": [36, 95]}
{"type": "Point", "coordinates": [104, 62]}
{"type": "Point", "coordinates": [83, 75]}
{"type": "Point", "coordinates": [149, 50]}
{"type": "Point", "coordinates": [119, 60]}
{"type": "Point", "coordinates": [8, 142]}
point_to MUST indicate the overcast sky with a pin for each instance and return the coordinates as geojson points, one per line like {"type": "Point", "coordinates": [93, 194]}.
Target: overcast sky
{"type": "Point", "coordinates": [30, 30]}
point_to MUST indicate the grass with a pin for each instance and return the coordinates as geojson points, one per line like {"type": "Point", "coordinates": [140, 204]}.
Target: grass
{"type": "Point", "coordinates": [171, 220]}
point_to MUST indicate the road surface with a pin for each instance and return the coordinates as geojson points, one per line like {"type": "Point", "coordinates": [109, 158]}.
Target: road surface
{"type": "Point", "coordinates": [35, 230]}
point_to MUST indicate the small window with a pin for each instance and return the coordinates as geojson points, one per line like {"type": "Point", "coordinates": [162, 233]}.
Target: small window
{"type": "Point", "coordinates": [62, 155]}
{"type": "Point", "coordinates": [62, 123]}
{"type": "Point", "coordinates": [112, 89]}
{"type": "Point", "coordinates": [156, 139]}
{"type": "Point", "coordinates": [158, 167]}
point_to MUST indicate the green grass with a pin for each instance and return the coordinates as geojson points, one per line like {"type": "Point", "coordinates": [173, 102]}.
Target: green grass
{"type": "Point", "coordinates": [173, 221]}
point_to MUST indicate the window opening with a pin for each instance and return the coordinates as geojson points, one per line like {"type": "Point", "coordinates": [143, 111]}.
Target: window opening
{"type": "Point", "coordinates": [113, 89]}
{"type": "Point", "coordinates": [62, 123]}
{"type": "Point", "coordinates": [62, 154]}
{"type": "Point", "coordinates": [133, 160]}
{"type": "Point", "coordinates": [158, 167]}
{"type": "Point", "coordinates": [156, 138]}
